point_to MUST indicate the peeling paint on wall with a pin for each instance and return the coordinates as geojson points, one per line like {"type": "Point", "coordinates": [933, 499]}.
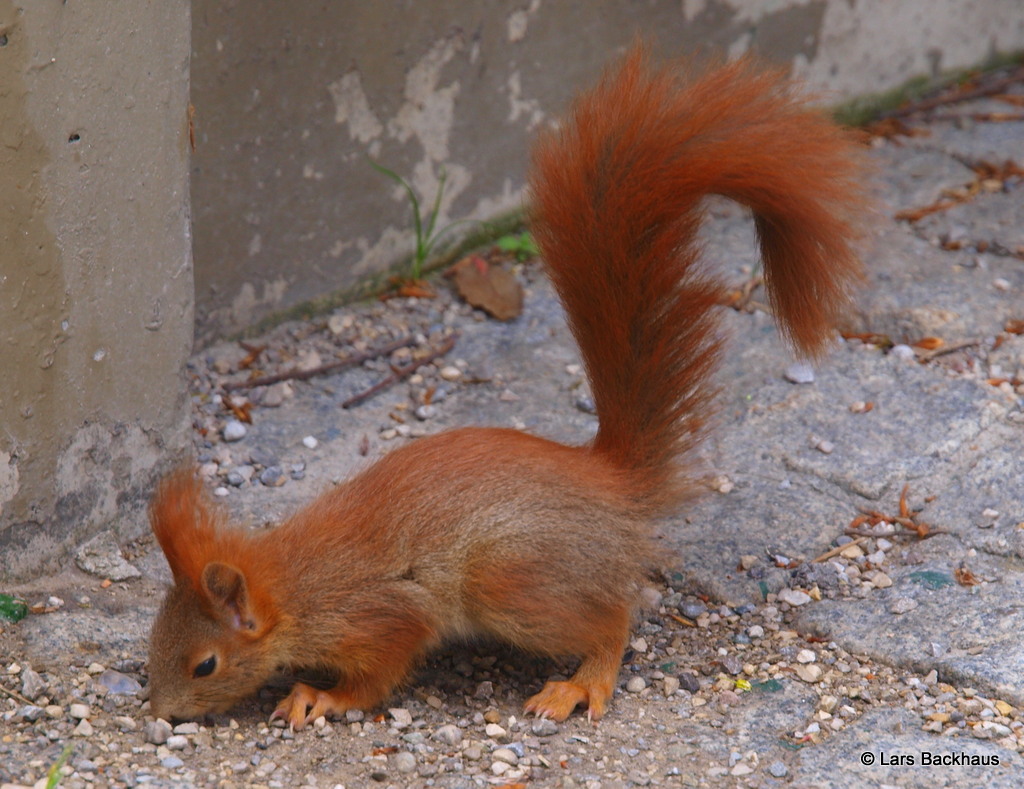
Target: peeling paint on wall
{"type": "Point", "coordinates": [428, 110]}
{"type": "Point", "coordinates": [8, 479]}
{"type": "Point", "coordinates": [245, 304]}
{"type": "Point", "coordinates": [519, 107]}
{"type": "Point", "coordinates": [352, 107]}
{"type": "Point", "coordinates": [519, 20]}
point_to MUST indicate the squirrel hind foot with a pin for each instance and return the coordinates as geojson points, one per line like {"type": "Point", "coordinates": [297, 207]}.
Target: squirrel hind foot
{"type": "Point", "coordinates": [557, 700]}
{"type": "Point", "coordinates": [592, 685]}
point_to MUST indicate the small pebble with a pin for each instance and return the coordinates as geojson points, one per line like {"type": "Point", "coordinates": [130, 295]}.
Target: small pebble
{"type": "Point", "coordinates": [119, 683]}
{"type": "Point", "coordinates": [494, 731]}
{"type": "Point", "coordinates": [755, 631]}
{"type": "Point", "coordinates": [30, 713]}
{"type": "Point", "coordinates": [671, 686]}
{"type": "Point", "coordinates": [544, 727]}
{"type": "Point", "coordinates": [276, 394]}
{"type": "Point", "coordinates": [689, 682]}
{"type": "Point", "coordinates": [809, 672]}
{"type": "Point", "coordinates": [273, 477]}
{"type": "Point", "coordinates": [636, 684]}
{"type": "Point", "coordinates": [449, 734]}
{"type": "Point", "coordinates": [800, 373]}
{"type": "Point", "coordinates": [83, 729]}
{"type": "Point", "coordinates": [586, 404]}
{"type": "Point", "coordinates": [450, 373]}
{"type": "Point", "coordinates": [778, 769]}
{"type": "Point", "coordinates": [425, 412]}
{"type": "Point", "coordinates": [880, 580]}
{"type": "Point", "coordinates": [79, 711]}
{"type": "Point", "coordinates": [234, 430]}
{"type": "Point", "coordinates": [903, 605]}
{"type": "Point", "coordinates": [32, 685]}
{"type": "Point", "coordinates": [794, 597]}
{"type": "Point", "coordinates": [172, 762]}
{"type": "Point", "coordinates": [400, 718]}
{"type": "Point", "coordinates": [177, 742]}
{"type": "Point", "coordinates": [310, 442]}
{"type": "Point", "coordinates": [156, 732]}
{"type": "Point", "coordinates": [901, 351]}
{"type": "Point", "coordinates": [404, 762]}
{"type": "Point", "coordinates": [692, 609]}
{"type": "Point", "coordinates": [505, 755]}
{"type": "Point", "coordinates": [805, 656]}
{"type": "Point", "coordinates": [338, 323]}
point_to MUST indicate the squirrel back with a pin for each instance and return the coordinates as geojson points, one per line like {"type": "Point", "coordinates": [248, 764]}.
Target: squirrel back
{"type": "Point", "coordinates": [617, 202]}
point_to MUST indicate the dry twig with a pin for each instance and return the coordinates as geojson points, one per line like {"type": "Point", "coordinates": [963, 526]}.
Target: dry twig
{"type": "Point", "coordinates": [398, 373]}
{"type": "Point", "coordinates": [295, 374]}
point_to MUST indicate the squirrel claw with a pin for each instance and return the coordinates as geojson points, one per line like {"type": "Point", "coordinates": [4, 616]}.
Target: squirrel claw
{"type": "Point", "coordinates": [557, 700]}
{"type": "Point", "coordinates": [293, 708]}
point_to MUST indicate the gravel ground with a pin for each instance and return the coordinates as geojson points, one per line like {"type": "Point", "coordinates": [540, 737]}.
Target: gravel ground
{"type": "Point", "coordinates": [842, 608]}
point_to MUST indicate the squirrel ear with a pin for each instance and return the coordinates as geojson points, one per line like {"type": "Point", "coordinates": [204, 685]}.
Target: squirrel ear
{"type": "Point", "coordinates": [228, 593]}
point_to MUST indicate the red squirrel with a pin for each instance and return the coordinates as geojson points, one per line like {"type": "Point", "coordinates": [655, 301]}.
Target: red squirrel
{"type": "Point", "coordinates": [494, 532]}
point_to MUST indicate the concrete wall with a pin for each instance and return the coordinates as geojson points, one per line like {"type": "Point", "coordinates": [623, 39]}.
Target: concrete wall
{"type": "Point", "coordinates": [292, 98]}
{"type": "Point", "coordinates": [96, 282]}
{"type": "Point", "coordinates": [95, 266]}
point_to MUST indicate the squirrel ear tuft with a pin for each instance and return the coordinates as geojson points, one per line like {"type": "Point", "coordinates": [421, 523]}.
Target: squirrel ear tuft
{"type": "Point", "coordinates": [185, 523]}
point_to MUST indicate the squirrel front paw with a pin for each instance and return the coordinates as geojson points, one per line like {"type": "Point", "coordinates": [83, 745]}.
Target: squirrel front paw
{"type": "Point", "coordinates": [293, 708]}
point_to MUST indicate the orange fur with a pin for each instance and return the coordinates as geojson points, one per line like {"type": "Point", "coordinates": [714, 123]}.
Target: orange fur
{"type": "Point", "coordinates": [617, 203]}
{"type": "Point", "coordinates": [492, 532]}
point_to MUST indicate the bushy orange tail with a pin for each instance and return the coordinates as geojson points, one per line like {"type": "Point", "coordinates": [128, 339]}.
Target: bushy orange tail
{"type": "Point", "coordinates": [617, 196]}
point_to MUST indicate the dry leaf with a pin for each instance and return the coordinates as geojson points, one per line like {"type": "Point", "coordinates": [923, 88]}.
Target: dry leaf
{"type": "Point", "coordinates": [491, 288]}
{"type": "Point", "coordinates": [1014, 327]}
{"type": "Point", "coordinates": [242, 412]}
{"type": "Point", "coordinates": [252, 355]}
{"type": "Point", "coordinates": [869, 338]}
{"type": "Point", "coordinates": [965, 577]}
{"type": "Point", "coordinates": [929, 343]}
{"type": "Point", "coordinates": [890, 128]}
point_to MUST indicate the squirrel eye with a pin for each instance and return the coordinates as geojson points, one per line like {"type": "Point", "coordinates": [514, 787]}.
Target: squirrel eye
{"type": "Point", "coordinates": [205, 668]}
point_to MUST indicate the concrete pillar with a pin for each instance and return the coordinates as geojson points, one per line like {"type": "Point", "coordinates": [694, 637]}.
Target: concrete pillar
{"type": "Point", "coordinates": [95, 266]}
